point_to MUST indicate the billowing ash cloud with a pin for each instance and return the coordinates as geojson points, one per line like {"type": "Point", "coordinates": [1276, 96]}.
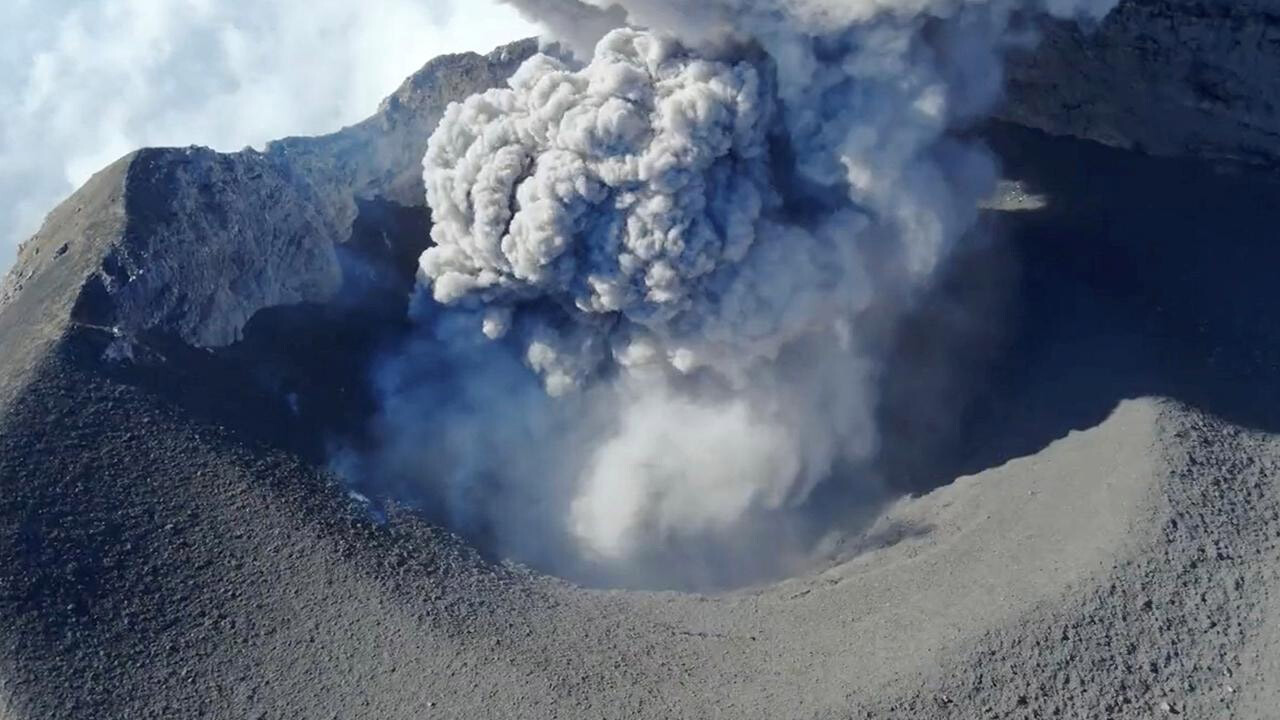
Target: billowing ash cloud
{"type": "Point", "coordinates": [661, 281]}
{"type": "Point", "coordinates": [629, 194]}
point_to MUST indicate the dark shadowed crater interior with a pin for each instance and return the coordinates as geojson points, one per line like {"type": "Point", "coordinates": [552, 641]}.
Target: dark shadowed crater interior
{"type": "Point", "coordinates": [1027, 337]}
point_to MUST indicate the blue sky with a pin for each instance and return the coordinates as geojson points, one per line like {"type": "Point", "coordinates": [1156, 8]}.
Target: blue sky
{"type": "Point", "coordinates": [86, 81]}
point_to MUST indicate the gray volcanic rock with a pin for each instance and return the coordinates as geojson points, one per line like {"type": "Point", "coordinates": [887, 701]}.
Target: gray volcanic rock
{"type": "Point", "coordinates": [208, 241]}
{"type": "Point", "coordinates": [1168, 77]}
{"type": "Point", "coordinates": [203, 240]}
{"type": "Point", "coordinates": [1098, 540]}
{"type": "Point", "coordinates": [1109, 549]}
{"type": "Point", "coordinates": [381, 157]}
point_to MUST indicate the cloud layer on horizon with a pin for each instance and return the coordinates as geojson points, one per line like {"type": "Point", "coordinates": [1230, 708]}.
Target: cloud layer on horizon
{"type": "Point", "coordinates": [90, 80]}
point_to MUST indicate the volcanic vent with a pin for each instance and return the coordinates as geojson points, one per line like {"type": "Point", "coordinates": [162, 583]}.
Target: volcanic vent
{"type": "Point", "coordinates": [666, 278]}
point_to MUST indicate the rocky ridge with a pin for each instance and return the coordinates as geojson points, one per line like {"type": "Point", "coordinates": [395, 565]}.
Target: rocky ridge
{"type": "Point", "coordinates": [204, 240]}
{"type": "Point", "coordinates": [209, 239]}
{"type": "Point", "coordinates": [1168, 77]}
{"type": "Point", "coordinates": [170, 544]}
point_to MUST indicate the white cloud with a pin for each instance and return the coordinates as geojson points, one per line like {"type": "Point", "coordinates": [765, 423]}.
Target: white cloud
{"type": "Point", "coordinates": [86, 81]}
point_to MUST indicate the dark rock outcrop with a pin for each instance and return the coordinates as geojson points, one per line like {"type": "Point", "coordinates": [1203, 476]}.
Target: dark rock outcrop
{"type": "Point", "coordinates": [200, 241]}
{"type": "Point", "coordinates": [1169, 77]}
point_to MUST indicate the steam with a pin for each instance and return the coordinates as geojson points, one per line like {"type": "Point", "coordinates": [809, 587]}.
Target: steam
{"type": "Point", "coordinates": [655, 312]}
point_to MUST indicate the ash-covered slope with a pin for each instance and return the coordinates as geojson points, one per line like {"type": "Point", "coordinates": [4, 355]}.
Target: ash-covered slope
{"type": "Point", "coordinates": [1164, 76]}
{"type": "Point", "coordinates": [136, 462]}
{"type": "Point", "coordinates": [169, 547]}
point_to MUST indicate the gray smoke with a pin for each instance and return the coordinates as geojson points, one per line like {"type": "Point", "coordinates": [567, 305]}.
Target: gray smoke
{"type": "Point", "coordinates": [660, 281]}
{"type": "Point", "coordinates": [574, 25]}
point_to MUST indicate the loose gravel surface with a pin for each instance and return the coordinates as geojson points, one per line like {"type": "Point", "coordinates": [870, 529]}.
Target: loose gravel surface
{"type": "Point", "coordinates": [1109, 549]}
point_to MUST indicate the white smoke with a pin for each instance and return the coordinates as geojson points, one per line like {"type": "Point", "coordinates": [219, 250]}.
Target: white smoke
{"type": "Point", "coordinates": [694, 245]}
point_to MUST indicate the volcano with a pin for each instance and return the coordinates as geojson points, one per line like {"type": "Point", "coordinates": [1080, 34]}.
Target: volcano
{"type": "Point", "coordinates": [1087, 527]}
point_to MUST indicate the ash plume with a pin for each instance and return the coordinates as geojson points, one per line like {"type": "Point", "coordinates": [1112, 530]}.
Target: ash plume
{"type": "Point", "coordinates": [653, 316]}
